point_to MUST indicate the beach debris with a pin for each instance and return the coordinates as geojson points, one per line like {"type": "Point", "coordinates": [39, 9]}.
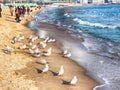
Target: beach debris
{"type": "Point", "coordinates": [8, 49]}
{"type": "Point", "coordinates": [23, 47]}
{"type": "Point", "coordinates": [47, 52]}
{"type": "Point", "coordinates": [42, 44]}
{"type": "Point", "coordinates": [46, 68]}
{"type": "Point", "coordinates": [73, 81]}
{"type": "Point", "coordinates": [67, 55]}
{"type": "Point", "coordinates": [61, 71]}
{"type": "Point", "coordinates": [42, 61]}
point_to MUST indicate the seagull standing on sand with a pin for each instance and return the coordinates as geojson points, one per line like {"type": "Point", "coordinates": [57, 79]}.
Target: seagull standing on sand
{"type": "Point", "coordinates": [46, 68]}
{"type": "Point", "coordinates": [51, 40]}
{"type": "Point", "coordinates": [42, 44]}
{"type": "Point", "coordinates": [46, 39]}
{"type": "Point", "coordinates": [34, 46]}
{"type": "Point", "coordinates": [31, 51]}
{"type": "Point", "coordinates": [67, 55]}
{"type": "Point", "coordinates": [43, 61]}
{"type": "Point", "coordinates": [23, 47]}
{"type": "Point", "coordinates": [8, 49]}
{"type": "Point", "coordinates": [37, 52]}
{"type": "Point", "coordinates": [47, 52]}
{"type": "Point", "coordinates": [65, 52]}
{"type": "Point", "coordinates": [74, 80]}
{"type": "Point", "coordinates": [61, 71]}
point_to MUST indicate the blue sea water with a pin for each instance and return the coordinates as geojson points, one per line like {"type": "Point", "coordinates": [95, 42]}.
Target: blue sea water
{"type": "Point", "coordinates": [101, 22]}
{"type": "Point", "coordinates": [99, 26]}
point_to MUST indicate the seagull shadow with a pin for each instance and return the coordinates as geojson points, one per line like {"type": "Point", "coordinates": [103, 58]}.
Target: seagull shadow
{"type": "Point", "coordinates": [65, 82]}
{"type": "Point", "coordinates": [54, 73]}
{"type": "Point", "coordinates": [39, 71]}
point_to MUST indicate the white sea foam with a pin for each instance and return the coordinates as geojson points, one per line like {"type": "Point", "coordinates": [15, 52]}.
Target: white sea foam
{"type": "Point", "coordinates": [94, 24]}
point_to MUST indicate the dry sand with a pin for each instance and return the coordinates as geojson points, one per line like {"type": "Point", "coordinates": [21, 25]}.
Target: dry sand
{"type": "Point", "coordinates": [18, 70]}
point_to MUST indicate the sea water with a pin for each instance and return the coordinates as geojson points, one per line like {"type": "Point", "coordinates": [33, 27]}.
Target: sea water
{"type": "Point", "coordinates": [99, 27]}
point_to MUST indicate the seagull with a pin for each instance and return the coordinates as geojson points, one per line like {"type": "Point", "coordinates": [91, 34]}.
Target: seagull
{"type": "Point", "coordinates": [67, 55]}
{"type": "Point", "coordinates": [8, 49]}
{"type": "Point", "coordinates": [61, 71]}
{"type": "Point", "coordinates": [23, 47]}
{"type": "Point", "coordinates": [30, 44]}
{"type": "Point", "coordinates": [14, 40]}
{"type": "Point", "coordinates": [47, 52]}
{"type": "Point", "coordinates": [51, 40]}
{"type": "Point", "coordinates": [34, 46]}
{"type": "Point", "coordinates": [43, 44]}
{"type": "Point", "coordinates": [74, 80]}
{"type": "Point", "coordinates": [20, 38]}
{"type": "Point", "coordinates": [30, 37]}
{"type": "Point", "coordinates": [37, 53]}
{"type": "Point", "coordinates": [65, 52]}
{"type": "Point", "coordinates": [46, 39]}
{"type": "Point", "coordinates": [43, 61]}
{"type": "Point", "coordinates": [31, 51]}
{"type": "Point", "coordinates": [46, 68]}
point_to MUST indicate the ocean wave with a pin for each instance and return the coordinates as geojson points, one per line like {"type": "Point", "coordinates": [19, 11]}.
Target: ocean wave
{"type": "Point", "coordinates": [95, 24]}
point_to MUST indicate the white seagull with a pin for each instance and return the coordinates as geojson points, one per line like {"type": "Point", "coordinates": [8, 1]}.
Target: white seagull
{"type": "Point", "coordinates": [47, 52]}
{"type": "Point", "coordinates": [61, 71]}
{"type": "Point", "coordinates": [8, 49]}
{"type": "Point", "coordinates": [23, 47]}
{"type": "Point", "coordinates": [65, 52]}
{"type": "Point", "coordinates": [67, 55]}
{"type": "Point", "coordinates": [31, 51]}
{"type": "Point", "coordinates": [46, 68]}
{"type": "Point", "coordinates": [74, 80]}
{"type": "Point", "coordinates": [51, 40]}
{"type": "Point", "coordinates": [46, 39]}
{"type": "Point", "coordinates": [42, 44]}
{"type": "Point", "coordinates": [43, 61]}
{"type": "Point", "coordinates": [37, 52]}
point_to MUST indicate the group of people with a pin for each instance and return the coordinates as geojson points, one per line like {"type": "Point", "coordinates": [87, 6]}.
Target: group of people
{"type": "Point", "coordinates": [19, 11]}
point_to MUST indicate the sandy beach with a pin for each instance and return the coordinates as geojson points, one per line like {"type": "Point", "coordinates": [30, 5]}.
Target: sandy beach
{"type": "Point", "coordinates": [18, 70]}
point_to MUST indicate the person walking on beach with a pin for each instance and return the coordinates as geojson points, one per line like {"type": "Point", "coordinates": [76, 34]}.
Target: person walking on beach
{"type": "Point", "coordinates": [0, 11]}
{"type": "Point", "coordinates": [17, 13]}
{"type": "Point", "coordinates": [23, 10]}
{"type": "Point", "coordinates": [28, 10]}
{"type": "Point", "coordinates": [11, 10]}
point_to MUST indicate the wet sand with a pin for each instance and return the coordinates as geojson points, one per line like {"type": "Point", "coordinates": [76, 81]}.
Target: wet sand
{"type": "Point", "coordinates": [19, 69]}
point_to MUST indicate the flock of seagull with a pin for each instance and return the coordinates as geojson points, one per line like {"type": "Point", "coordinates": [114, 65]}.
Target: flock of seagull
{"type": "Point", "coordinates": [34, 50]}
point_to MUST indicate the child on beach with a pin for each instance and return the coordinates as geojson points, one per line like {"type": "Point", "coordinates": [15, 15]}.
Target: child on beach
{"type": "Point", "coordinates": [0, 11]}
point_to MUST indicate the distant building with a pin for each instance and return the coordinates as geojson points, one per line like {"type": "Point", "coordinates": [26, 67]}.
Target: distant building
{"type": "Point", "coordinates": [67, 1]}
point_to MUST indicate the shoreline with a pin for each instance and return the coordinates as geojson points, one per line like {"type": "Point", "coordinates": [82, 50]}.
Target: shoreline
{"type": "Point", "coordinates": [29, 72]}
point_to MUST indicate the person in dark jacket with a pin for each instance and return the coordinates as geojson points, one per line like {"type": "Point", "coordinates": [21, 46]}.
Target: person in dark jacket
{"type": "Point", "coordinates": [0, 11]}
{"type": "Point", "coordinates": [17, 13]}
